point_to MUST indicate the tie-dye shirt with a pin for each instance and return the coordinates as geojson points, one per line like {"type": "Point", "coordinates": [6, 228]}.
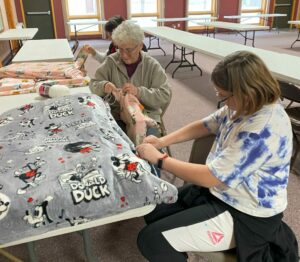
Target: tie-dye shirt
{"type": "Point", "coordinates": [251, 156]}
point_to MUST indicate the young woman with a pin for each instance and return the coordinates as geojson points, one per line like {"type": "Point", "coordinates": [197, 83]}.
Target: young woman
{"type": "Point", "coordinates": [238, 197]}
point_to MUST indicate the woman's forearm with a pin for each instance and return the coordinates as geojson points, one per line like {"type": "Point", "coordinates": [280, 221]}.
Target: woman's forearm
{"type": "Point", "coordinates": [189, 132]}
{"type": "Point", "coordinates": [193, 173]}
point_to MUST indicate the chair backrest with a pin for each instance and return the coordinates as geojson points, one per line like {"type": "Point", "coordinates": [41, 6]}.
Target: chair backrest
{"type": "Point", "coordinates": [290, 92]}
{"type": "Point", "coordinates": [162, 125]}
{"type": "Point", "coordinates": [200, 149]}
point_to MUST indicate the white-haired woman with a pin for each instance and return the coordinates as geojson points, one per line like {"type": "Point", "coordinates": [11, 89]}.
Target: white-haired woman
{"type": "Point", "coordinates": [238, 197]}
{"type": "Point", "coordinates": [132, 71]}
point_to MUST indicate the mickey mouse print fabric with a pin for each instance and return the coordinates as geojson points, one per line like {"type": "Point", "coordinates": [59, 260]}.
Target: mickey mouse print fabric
{"type": "Point", "coordinates": [64, 162]}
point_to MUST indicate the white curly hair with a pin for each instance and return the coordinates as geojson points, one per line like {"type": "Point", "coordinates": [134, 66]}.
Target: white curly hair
{"type": "Point", "coordinates": [128, 32]}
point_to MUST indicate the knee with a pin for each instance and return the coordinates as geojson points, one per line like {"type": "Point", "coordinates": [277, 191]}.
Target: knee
{"type": "Point", "coordinates": [143, 238]}
{"type": "Point", "coordinates": [149, 240]}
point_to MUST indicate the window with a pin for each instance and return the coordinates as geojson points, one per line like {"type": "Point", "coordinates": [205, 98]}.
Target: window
{"type": "Point", "coordinates": [252, 8]}
{"type": "Point", "coordinates": [143, 11]}
{"type": "Point", "coordinates": [83, 11]}
{"type": "Point", "coordinates": [204, 9]}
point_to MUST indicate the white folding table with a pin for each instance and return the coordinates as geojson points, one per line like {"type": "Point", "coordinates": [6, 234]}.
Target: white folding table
{"type": "Point", "coordinates": [161, 22]}
{"type": "Point", "coordinates": [239, 28]}
{"type": "Point", "coordinates": [87, 23]}
{"type": "Point", "coordinates": [265, 17]}
{"type": "Point", "coordinates": [10, 102]}
{"type": "Point", "coordinates": [19, 34]}
{"type": "Point", "coordinates": [284, 67]}
{"type": "Point", "coordinates": [47, 50]}
{"type": "Point", "coordinates": [183, 19]}
{"type": "Point", "coordinates": [295, 22]}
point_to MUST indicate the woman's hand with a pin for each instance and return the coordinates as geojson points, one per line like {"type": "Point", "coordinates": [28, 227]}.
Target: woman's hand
{"type": "Point", "coordinates": [109, 88]}
{"type": "Point", "coordinates": [130, 89]}
{"type": "Point", "coordinates": [89, 49]}
{"type": "Point", "coordinates": [149, 152]}
{"type": "Point", "coordinates": [153, 140]}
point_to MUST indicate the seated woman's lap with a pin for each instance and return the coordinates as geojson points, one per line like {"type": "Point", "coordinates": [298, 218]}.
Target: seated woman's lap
{"type": "Point", "coordinates": [202, 224]}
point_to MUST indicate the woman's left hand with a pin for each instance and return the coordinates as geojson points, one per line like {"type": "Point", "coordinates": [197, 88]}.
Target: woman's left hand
{"type": "Point", "coordinates": [130, 89]}
{"type": "Point", "coordinates": [149, 152]}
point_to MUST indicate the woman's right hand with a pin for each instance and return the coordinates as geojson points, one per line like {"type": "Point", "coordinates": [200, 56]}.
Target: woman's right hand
{"type": "Point", "coordinates": [89, 49]}
{"type": "Point", "coordinates": [153, 140]}
{"type": "Point", "coordinates": [109, 88]}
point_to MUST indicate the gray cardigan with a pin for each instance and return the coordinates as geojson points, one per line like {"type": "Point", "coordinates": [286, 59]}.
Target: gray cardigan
{"type": "Point", "coordinates": [149, 77]}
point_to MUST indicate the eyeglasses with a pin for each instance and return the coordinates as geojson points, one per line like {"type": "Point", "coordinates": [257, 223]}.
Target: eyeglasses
{"type": "Point", "coordinates": [127, 50]}
{"type": "Point", "coordinates": [222, 99]}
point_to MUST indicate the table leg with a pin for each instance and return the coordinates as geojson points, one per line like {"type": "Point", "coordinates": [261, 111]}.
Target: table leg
{"type": "Point", "coordinates": [31, 250]}
{"type": "Point", "coordinates": [183, 62]}
{"type": "Point", "coordinates": [173, 58]}
{"type": "Point", "coordinates": [151, 38]}
{"type": "Point", "coordinates": [88, 249]}
{"type": "Point", "coordinates": [253, 38]}
{"type": "Point", "coordinates": [245, 35]}
{"type": "Point", "coordinates": [296, 39]}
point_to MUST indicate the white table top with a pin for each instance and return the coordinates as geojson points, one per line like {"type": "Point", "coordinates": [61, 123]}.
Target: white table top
{"type": "Point", "coordinates": [10, 102]}
{"type": "Point", "coordinates": [283, 67]}
{"type": "Point", "coordinates": [294, 22]}
{"type": "Point", "coordinates": [18, 34]}
{"type": "Point", "coordinates": [137, 212]}
{"type": "Point", "coordinates": [174, 19]}
{"type": "Point", "coordinates": [234, 26]}
{"type": "Point", "coordinates": [250, 16]}
{"type": "Point", "coordinates": [54, 50]}
{"type": "Point", "coordinates": [99, 22]}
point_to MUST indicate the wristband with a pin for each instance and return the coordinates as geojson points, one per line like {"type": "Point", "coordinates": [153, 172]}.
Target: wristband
{"type": "Point", "coordinates": [160, 160]}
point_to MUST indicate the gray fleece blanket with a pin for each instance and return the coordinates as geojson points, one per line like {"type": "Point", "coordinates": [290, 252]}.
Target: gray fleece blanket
{"type": "Point", "coordinates": [64, 162]}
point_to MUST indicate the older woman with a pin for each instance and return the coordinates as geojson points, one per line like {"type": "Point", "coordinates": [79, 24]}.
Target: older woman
{"type": "Point", "coordinates": [109, 27]}
{"type": "Point", "coordinates": [132, 71]}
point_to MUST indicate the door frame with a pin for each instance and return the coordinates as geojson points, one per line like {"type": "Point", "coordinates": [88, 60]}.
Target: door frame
{"type": "Point", "coordinates": [52, 13]}
{"type": "Point", "coordinates": [292, 12]}
{"type": "Point", "coordinates": [11, 20]}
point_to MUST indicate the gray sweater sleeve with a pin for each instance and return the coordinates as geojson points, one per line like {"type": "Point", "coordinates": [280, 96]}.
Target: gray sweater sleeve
{"type": "Point", "coordinates": [158, 93]}
{"type": "Point", "coordinates": [101, 78]}
{"type": "Point", "coordinates": [100, 56]}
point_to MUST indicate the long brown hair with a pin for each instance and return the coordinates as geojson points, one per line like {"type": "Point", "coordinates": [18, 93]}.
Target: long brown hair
{"type": "Point", "coordinates": [247, 77]}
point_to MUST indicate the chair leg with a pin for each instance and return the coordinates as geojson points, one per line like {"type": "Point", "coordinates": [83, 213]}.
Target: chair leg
{"type": "Point", "coordinates": [9, 256]}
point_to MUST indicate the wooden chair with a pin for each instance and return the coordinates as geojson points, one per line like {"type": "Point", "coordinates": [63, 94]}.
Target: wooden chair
{"type": "Point", "coordinates": [199, 152]}
{"type": "Point", "coordinates": [163, 129]}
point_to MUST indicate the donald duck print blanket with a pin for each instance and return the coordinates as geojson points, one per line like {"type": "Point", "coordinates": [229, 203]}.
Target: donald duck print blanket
{"type": "Point", "coordinates": [64, 162]}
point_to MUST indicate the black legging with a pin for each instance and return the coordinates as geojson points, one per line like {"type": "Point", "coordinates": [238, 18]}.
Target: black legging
{"type": "Point", "coordinates": [194, 205]}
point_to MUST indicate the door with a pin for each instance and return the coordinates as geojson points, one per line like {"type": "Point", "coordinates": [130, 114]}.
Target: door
{"type": "Point", "coordinates": [282, 7]}
{"type": "Point", "coordinates": [38, 13]}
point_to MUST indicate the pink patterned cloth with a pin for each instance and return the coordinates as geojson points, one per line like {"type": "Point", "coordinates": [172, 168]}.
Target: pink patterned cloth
{"type": "Point", "coordinates": [21, 78]}
{"type": "Point", "coordinates": [41, 70]}
{"type": "Point", "coordinates": [15, 86]}
{"type": "Point", "coordinates": [133, 115]}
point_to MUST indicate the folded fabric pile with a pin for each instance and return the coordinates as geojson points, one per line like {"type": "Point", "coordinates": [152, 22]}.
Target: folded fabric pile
{"type": "Point", "coordinates": [19, 78]}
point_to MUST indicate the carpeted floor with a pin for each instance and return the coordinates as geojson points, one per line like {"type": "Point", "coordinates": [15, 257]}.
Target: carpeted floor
{"type": "Point", "coordinates": [192, 99]}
